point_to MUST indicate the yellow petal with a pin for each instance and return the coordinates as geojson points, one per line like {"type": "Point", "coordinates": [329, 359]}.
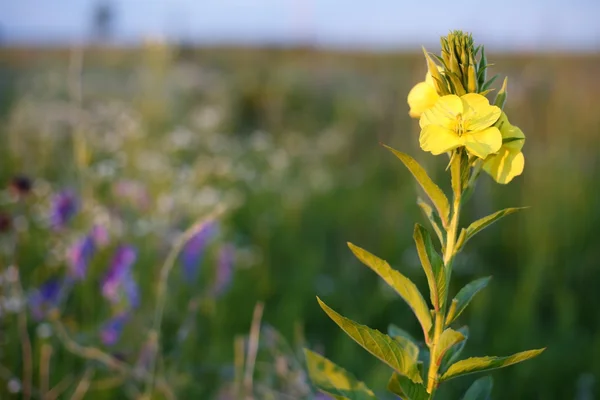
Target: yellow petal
{"type": "Point", "coordinates": [512, 135]}
{"type": "Point", "coordinates": [484, 142]}
{"type": "Point", "coordinates": [420, 98]}
{"type": "Point", "coordinates": [478, 113]}
{"type": "Point", "coordinates": [443, 113]}
{"type": "Point", "coordinates": [505, 165]}
{"type": "Point", "coordinates": [429, 78]}
{"type": "Point", "coordinates": [438, 140]}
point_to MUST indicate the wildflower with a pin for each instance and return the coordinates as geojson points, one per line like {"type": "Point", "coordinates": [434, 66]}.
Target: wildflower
{"type": "Point", "coordinates": [422, 97]}
{"type": "Point", "coordinates": [509, 162]}
{"type": "Point", "coordinates": [113, 328]}
{"type": "Point", "coordinates": [64, 207]}
{"type": "Point", "coordinates": [461, 121]}
{"type": "Point", "coordinates": [191, 255]}
{"type": "Point", "coordinates": [45, 298]}
{"type": "Point", "coordinates": [118, 284]}
{"type": "Point", "coordinates": [224, 271]}
{"type": "Point", "coordinates": [20, 185]}
{"type": "Point", "coordinates": [79, 256]}
{"type": "Point", "coordinates": [99, 235]}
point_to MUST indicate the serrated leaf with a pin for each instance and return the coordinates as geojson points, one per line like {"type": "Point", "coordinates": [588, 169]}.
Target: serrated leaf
{"type": "Point", "coordinates": [481, 389]}
{"type": "Point", "coordinates": [407, 389]}
{"type": "Point", "coordinates": [434, 219]}
{"type": "Point", "coordinates": [486, 221]}
{"type": "Point", "coordinates": [438, 198]}
{"type": "Point", "coordinates": [335, 380]}
{"type": "Point", "coordinates": [464, 297]}
{"type": "Point", "coordinates": [379, 344]}
{"type": "Point", "coordinates": [447, 339]}
{"type": "Point", "coordinates": [479, 364]}
{"type": "Point", "coordinates": [433, 266]}
{"type": "Point", "coordinates": [401, 284]}
{"type": "Point", "coordinates": [453, 353]}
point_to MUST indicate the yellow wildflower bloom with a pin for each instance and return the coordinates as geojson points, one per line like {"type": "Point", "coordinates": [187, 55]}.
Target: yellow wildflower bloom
{"type": "Point", "coordinates": [422, 97]}
{"type": "Point", "coordinates": [455, 122]}
{"type": "Point", "coordinates": [509, 162]}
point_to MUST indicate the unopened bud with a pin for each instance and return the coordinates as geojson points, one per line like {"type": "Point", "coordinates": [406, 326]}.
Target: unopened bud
{"type": "Point", "coordinates": [438, 79]}
{"type": "Point", "coordinates": [501, 96]}
{"type": "Point", "coordinates": [472, 79]}
{"type": "Point", "coordinates": [457, 84]}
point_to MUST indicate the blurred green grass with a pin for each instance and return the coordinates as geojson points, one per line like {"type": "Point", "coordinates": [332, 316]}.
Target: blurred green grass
{"type": "Point", "coordinates": [322, 115]}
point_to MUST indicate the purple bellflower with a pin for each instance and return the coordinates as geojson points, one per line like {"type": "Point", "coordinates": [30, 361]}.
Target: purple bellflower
{"type": "Point", "coordinates": [111, 331]}
{"type": "Point", "coordinates": [193, 251]}
{"type": "Point", "coordinates": [79, 256]}
{"type": "Point", "coordinates": [224, 273]}
{"type": "Point", "coordinates": [46, 297]}
{"type": "Point", "coordinates": [118, 284]}
{"type": "Point", "coordinates": [64, 206]}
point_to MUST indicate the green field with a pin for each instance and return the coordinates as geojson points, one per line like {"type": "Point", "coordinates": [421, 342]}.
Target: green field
{"type": "Point", "coordinates": [289, 142]}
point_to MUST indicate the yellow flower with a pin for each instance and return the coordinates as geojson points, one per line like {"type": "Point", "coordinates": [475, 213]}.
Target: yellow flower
{"type": "Point", "coordinates": [455, 122]}
{"type": "Point", "coordinates": [509, 162]}
{"type": "Point", "coordinates": [422, 97]}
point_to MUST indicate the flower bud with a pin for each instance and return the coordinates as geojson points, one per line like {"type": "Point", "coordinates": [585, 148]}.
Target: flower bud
{"type": "Point", "coordinates": [438, 80]}
{"type": "Point", "coordinates": [501, 96]}
{"type": "Point", "coordinates": [461, 69]}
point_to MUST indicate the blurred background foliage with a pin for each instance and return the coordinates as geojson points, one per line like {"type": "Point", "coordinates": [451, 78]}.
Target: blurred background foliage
{"type": "Point", "coordinates": [288, 141]}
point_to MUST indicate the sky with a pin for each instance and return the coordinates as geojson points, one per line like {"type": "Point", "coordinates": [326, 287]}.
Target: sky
{"type": "Point", "coordinates": [375, 24]}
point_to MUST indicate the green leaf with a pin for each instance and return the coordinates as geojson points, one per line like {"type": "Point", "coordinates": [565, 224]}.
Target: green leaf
{"type": "Point", "coordinates": [447, 339]}
{"type": "Point", "coordinates": [464, 297]}
{"type": "Point", "coordinates": [434, 219]}
{"type": "Point", "coordinates": [407, 389]}
{"type": "Point", "coordinates": [334, 380]}
{"type": "Point", "coordinates": [438, 198]}
{"type": "Point", "coordinates": [380, 345]}
{"type": "Point", "coordinates": [405, 340]}
{"type": "Point", "coordinates": [454, 352]}
{"type": "Point", "coordinates": [479, 364]}
{"type": "Point", "coordinates": [433, 265]}
{"type": "Point", "coordinates": [489, 83]}
{"type": "Point", "coordinates": [481, 389]}
{"type": "Point", "coordinates": [484, 222]}
{"type": "Point", "coordinates": [401, 284]}
{"type": "Point", "coordinates": [395, 331]}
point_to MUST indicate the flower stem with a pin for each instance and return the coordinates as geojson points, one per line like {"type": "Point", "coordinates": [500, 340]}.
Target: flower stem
{"type": "Point", "coordinates": [449, 253]}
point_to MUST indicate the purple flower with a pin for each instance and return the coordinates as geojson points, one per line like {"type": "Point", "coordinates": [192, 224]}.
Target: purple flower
{"type": "Point", "coordinates": [224, 272]}
{"type": "Point", "coordinates": [118, 284]}
{"type": "Point", "coordinates": [112, 329]}
{"type": "Point", "coordinates": [79, 256]}
{"type": "Point", "coordinates": [64, 207]}
{"type": "Point", "coordinates": [45, 298]}
{"type": "Point", "coordinates": [100, 235]}
{"type": "Point", "coordinates": [191, 255]}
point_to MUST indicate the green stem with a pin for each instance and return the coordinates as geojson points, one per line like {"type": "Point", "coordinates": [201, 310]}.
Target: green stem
{"type": "Point", "coordinates": [449, 253]}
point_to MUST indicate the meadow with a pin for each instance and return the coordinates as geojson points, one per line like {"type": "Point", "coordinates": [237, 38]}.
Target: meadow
{"type": "Point", "coordinates": [126, 149]}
